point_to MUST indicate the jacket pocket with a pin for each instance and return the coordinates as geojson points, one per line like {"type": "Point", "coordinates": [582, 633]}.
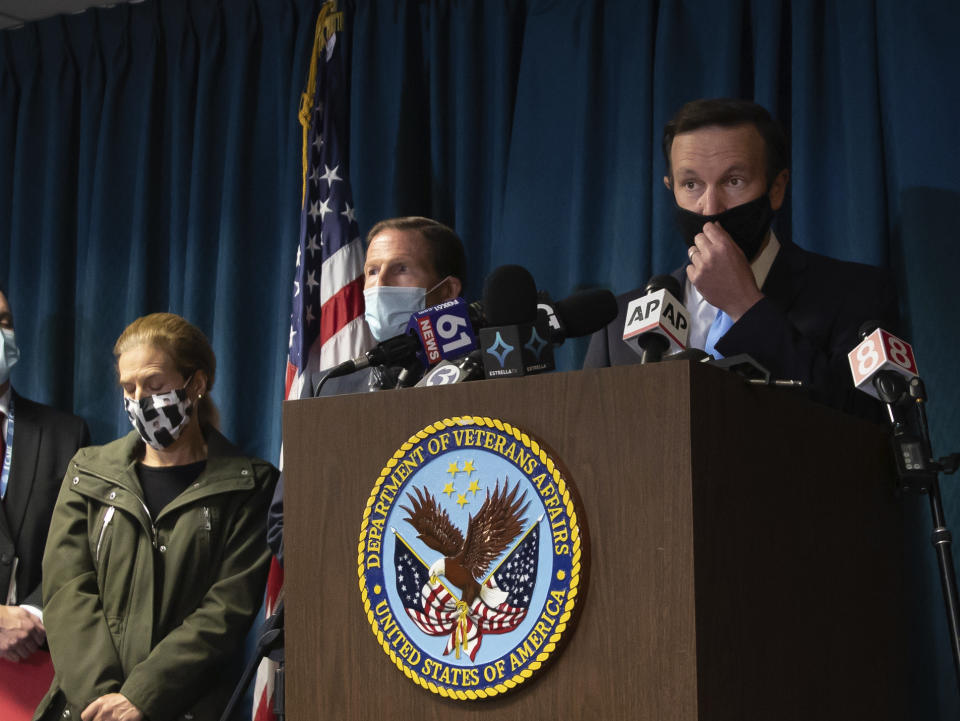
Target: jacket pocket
{"type": "Point", "coordinates": [54, 706]}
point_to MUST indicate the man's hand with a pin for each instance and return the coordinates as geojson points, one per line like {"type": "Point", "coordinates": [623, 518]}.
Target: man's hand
{"type": "Point", "coordinates": [21, 633]}
{"type": "Point", "coordinates": [720, 271]}
{"type": "Point", "coordinates": [112, 707]}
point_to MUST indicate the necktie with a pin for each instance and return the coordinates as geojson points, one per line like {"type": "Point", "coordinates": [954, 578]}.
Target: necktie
{"type": "Point", "coordinates": [721, 324]}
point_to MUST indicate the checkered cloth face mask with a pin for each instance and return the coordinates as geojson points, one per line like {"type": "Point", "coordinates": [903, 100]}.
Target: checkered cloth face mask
{"type": "Point", "coordinates": [160, 419]}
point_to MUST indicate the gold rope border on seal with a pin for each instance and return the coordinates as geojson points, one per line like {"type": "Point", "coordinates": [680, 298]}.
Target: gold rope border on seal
{"type": "Point", "coordinates": [573, 588]}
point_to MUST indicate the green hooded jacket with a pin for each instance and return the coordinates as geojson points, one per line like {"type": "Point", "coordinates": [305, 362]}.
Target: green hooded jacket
{"type": "Point", "coordinates": [153, 608]}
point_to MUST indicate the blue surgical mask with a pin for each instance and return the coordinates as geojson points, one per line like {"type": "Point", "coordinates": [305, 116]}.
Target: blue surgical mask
{"type": "Point", "coordinates": [9, 353]}
{"type": "Point", "coordinates": [389, 307]}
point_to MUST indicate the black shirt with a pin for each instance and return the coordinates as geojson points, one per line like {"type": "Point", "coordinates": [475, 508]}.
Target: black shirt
{"type": "Point", "coordinates": [161, 484]}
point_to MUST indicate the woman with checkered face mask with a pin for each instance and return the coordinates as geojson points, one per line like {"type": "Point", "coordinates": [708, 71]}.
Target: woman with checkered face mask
{"type": "Point", "coordinates": [157, 556]}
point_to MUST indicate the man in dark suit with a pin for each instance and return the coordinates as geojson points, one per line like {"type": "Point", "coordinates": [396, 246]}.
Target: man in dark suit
{"type": "Point", "coordinates": [414, 254]}
{"type": "Point", "coordinates": [795, 312]}
{"type": "Point", "coordinates": [37, 443]}
{"type": "Point", "coordinates": [411, 263]}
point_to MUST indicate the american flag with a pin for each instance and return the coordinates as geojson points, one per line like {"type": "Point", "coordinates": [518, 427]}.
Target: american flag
{"type": "Point", "coordinates": [326, 321]}
{"type": "Point", "coordinates": [434, 609]}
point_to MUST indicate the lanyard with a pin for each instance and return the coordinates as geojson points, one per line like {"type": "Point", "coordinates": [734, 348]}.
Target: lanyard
{"type": "Point", "coordinates": [8, 454]}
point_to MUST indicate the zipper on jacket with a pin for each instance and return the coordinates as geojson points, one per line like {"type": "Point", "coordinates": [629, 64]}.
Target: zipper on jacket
{"type": "Point", "coordinates": [107, 517]}
{"type": "Point", "coordinates": [153, 527]}
{"type": "Point", "coordinates": [206, 519]}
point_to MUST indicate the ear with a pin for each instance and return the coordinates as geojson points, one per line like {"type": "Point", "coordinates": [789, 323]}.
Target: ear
{"type": "Point", "coordinates": [198, 386]}
{"type": "Point", "coordinates": [778, 189]}
{"type": "Point", "coordinates": [667, 183]}
{"type": "Point", "coordinates": [450, 289]}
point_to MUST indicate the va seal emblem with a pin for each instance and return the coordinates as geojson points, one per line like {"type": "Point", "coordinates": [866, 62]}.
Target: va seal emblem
{"type": "Point", "coordinates": [471, 558]}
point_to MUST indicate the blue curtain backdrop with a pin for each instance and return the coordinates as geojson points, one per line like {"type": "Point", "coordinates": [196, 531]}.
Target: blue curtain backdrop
{"type": "Point", "coordinates": [150, 160]}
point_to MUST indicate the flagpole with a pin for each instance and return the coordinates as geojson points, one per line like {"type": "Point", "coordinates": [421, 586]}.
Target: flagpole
{"type": "Point", "coordinates": [417, 556]}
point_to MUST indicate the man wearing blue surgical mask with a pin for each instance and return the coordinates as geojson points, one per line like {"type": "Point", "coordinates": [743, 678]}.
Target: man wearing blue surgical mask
{"type": "Point", "coordinates": [412, 263]}
{"type": "Point", "coordinates": [36, 444]}
{"type": "Point", "coordinates": [747, 291]}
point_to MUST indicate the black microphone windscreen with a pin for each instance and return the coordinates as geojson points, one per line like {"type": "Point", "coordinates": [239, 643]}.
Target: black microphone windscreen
{"type": "Point", "coordinates": [509, 296]}
{"type": "Point", "coordinates": [867, 327]}
{"type": "Point", "coordinates": [586, 311]}
{"type": "Point", "coordinates": [661, 282]}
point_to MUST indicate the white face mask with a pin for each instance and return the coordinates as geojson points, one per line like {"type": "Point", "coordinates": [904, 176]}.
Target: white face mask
{"type": "Point", "coordinates": [9, 353]}
{"type": "Point", "coordinates": [161, 418]}
{"type": "Point", "coordinates": [389, 307]}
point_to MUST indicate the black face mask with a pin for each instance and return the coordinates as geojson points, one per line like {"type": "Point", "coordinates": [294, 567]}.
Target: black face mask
{"type": "Point", "coordinates": [747, 224]}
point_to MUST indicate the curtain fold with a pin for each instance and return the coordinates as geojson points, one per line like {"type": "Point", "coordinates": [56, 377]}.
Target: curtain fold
{"type": "Point", "coordinates": [152, 162]}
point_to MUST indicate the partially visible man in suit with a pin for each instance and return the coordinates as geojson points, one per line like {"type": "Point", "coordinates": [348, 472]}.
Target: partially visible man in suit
{"type": "Point", "coordinates": [411, 263]}
{"type": "Point", "coordinates": [795, 312]}
{"type": "Point", "coordinates": [36, 444]}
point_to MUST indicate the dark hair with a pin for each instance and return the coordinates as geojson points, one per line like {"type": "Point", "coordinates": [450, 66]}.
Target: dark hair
{"type": "Point", "coordinates": [730, 112]}
{"type": "Point", "coordinates": [186, 345]}
{"type": "Point", "coordinates": [3, 289]}
{"type": "Point", "coordinates": [446, 248]}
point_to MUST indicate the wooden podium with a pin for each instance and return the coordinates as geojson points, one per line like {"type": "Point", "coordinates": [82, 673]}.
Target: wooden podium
{"type": "Point", "coordinates": [745, 551]}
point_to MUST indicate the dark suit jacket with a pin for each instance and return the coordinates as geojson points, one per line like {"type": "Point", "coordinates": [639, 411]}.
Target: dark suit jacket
{"type": "Point", "coordinates": [802, 329]}
{"type": "Point", "coordinates": [44, 441]}
{"type": "Point", "coordinates": [361, 382]}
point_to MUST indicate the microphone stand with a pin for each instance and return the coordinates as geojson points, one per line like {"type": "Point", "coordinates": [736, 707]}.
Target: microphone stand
{"type": "Point", "coordinates": [334, 372]}
{"type": "Point", "coordinates": [409, 374]}
{"type": "Point", "coordinates": [918, 471]}
{"type": "Point", "coordinates": [653, 346]}
{"type": "Point", "coordinates": [271, 639]}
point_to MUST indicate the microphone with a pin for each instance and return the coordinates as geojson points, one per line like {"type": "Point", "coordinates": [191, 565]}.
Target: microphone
{"type": "Point", "coordinates": [433, 334]}
{"type": "Point", "coordinates": [657, 320]}
{"type": "Point", "coordinates": [399, 350]}
{"type": "Point", "coordinates": [881, 364]}
{"type": "Point", "coordinates": [884, 367]}
{"type": "Point", "coordinates": [579, 314]}
{"type": "Point", "coordinates": [505, 320]}
{"type": "Point", "coordinates": [461, 370]}
{"type": "Point", "coordinates": [445, 331]}
{"type": "Point", "coordinates": [516, 339]}
{"type": "Point", "coordinates": [509, 296]}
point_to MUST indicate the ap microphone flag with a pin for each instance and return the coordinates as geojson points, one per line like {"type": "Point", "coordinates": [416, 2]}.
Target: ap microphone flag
{"type": "Point", "coordinates": [880, 351]}
{"type": "Point", "coordinates": [660, 313]}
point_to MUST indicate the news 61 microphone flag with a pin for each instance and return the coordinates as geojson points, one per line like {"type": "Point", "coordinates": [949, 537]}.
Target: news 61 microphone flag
{"type": "Point", "coordinates": [326, 321]}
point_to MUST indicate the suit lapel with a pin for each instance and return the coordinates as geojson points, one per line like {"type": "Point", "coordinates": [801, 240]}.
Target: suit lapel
{"type": "Point", "coordinates": [6, 538]}
{"type": "Point", "coordinates": [785, 279]}
{"type": "Point", "coordinates": [26, 445]}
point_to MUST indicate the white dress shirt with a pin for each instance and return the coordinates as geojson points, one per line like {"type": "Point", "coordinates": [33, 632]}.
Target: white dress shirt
{"type": "Point", "coordinates": [5, 409]}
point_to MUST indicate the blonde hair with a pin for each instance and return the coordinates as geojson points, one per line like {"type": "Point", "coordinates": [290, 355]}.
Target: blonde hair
{"type": "Point", "coordinates": [187, 347]}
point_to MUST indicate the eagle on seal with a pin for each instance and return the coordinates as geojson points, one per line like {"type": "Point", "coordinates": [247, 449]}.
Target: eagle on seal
{"type": "Point", "coordinates": [489, 533]}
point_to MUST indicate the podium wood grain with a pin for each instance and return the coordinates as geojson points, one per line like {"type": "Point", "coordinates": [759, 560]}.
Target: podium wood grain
{"type": "Point", "coordinates": [745, 551]}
